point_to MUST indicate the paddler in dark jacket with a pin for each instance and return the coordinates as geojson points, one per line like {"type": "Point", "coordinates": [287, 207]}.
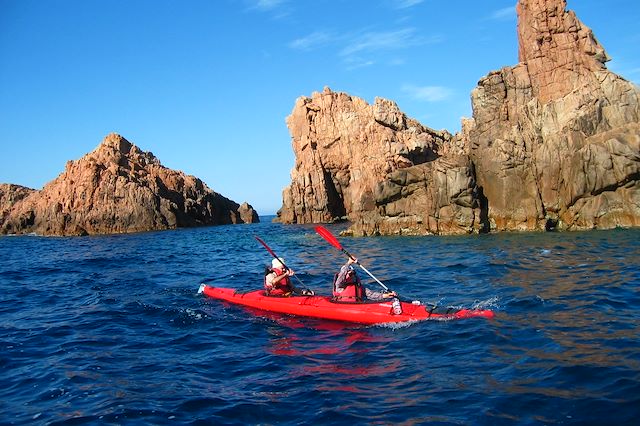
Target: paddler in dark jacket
{"type": "Point", "coordinates": [347, 286]}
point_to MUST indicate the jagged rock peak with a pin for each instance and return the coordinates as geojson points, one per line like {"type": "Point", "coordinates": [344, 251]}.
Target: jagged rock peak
{"type": "Point", "coordinates": [116, 149]}
{"type": "Point", "coordinates": [559, 51]}
{"type": "Point", "coordinates": [115, 142]}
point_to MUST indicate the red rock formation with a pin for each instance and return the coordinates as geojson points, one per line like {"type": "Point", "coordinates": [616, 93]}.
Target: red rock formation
{"type": "Point", "coordinates": [559, 52]}
{"type": "Point", "coordinates": [376, 166]}
{"type": "Point", "coordinates": [553, 144]}
{"type": "Point", "coordinates": [555, 139]}
{"type": "Point", "coordinates": [119, 188]}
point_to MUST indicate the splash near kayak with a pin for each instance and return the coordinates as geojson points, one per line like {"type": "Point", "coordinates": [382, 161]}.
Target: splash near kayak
{"type": "Point", "coordinates": [323, 307]}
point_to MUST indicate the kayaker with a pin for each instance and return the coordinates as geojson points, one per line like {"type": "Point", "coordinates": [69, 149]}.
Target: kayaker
{"type": "Point", "coordinates": [277, 282]}
{"type": "Point", "coordinates": [347, 286]}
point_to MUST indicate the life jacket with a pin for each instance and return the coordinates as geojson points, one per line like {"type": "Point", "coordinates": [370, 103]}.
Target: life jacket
{"type": "Point", "coordinates": [352, 292]}
{"type": "Point", "coordinates": [280, 288]}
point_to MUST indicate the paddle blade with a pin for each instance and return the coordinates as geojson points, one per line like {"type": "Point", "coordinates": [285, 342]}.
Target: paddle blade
{"type": "Point", "coordinates": [265, 245]}
{"type": "Point", "coordinates": [271, 252]}
{"type": "Point", "coordinates": [324, 233]}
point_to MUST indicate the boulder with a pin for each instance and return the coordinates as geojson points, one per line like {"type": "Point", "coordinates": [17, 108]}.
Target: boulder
{"type": "Point", "coordinates": [247, 213]}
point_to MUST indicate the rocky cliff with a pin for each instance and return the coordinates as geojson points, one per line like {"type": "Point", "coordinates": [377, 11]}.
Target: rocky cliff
{"type": "Point", "coordinates": [116, 188]}
{"type": "Point", "coordinates": [553, 144]}
{"type": "Point", "coordinates": [556, 138]}
{"type": "Point", "coordinates": [377, 167]}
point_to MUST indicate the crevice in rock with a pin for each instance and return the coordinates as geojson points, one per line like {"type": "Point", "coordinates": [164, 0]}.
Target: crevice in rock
{"type": "Point", "coordinates": [484, 211]}
{"type": "Point", "coordinates": [614, 187]}
{"type": "Point", "coordinates": [335, 201]}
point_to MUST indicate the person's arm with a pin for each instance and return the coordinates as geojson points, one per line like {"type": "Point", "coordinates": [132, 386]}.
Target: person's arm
{"type": "Point", "coordinates": [342, 275]}
{"type": "Point", "coordinates": [268, 281]}
{"type": "Point", "coordinates": [272, 278]}
{"type": "Point", "coordinates": [372, 295]}
{"type": "Point", "coordinates": [376, 295]}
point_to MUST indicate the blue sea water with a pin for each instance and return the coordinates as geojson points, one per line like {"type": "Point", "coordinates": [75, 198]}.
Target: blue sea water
{"type": "Point", "coordinates": [110, 330]}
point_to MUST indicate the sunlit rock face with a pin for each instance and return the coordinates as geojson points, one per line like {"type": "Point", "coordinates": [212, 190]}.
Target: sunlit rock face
{"type": "Point", "coordinates": [555, 139]}
{"type": "Point", "coordinates": [553, 144]}
{"type": "Point", "coordinates": [372, 164]}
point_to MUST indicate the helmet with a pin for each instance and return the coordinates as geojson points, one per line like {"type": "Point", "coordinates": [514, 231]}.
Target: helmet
{"type": "Point", "coordinates": [277, 263]}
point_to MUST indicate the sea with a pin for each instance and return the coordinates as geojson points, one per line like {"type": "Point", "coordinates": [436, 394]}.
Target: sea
{"type": "Point", "coordinates": [110, 330]}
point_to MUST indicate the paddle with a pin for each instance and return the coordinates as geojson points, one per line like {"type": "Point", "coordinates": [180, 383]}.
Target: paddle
{"type": "Point", "coordinates": [324, 233]}
{"type": "Point", "coordinates": [275, 256]}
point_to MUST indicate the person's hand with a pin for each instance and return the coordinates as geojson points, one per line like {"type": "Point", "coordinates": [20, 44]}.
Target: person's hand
{"type": "Point", "coordinates": [391, 294]}
{"type": "Point", "coordinates": [352, 260]}
{"type": "Point", "coordinates": [290, 272]}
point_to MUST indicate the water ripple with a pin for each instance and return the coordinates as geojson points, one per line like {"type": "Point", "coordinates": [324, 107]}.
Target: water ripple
{"type": "Point", "coordinates": [110, 330]}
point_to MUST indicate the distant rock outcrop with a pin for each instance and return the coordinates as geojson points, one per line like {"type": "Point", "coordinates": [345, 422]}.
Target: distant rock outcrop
{"type": "Point", "coordinates": [554, 143]}
{"type": "Point", "coordinates": [247, 213]}
{"type": "Point", "coordinates": [117, 188]}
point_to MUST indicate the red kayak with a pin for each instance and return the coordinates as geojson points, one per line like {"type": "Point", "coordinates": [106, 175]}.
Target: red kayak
{"type": "Point", "coordinates": [323, 307]}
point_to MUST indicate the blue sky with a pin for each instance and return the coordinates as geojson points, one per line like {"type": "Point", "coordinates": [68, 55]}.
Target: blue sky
{"type": "Point", "coordinates": [206, 85]}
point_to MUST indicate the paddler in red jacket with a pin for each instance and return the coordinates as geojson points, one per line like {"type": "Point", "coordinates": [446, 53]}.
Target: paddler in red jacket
{"type": "Point", "coordinates": [347, 286]}
{"type": "Point", "coordinates": [278, 281]}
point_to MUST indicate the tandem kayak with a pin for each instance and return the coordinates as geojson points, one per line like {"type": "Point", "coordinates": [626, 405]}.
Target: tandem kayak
{"type": "Point", "coordinates": [323, 307]}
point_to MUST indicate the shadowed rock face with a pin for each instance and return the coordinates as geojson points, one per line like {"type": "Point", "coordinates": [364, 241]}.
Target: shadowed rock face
{"type": "Point", "coordinates": [119, 188]}
{"type": "Point", "coordinates": [553, 144]}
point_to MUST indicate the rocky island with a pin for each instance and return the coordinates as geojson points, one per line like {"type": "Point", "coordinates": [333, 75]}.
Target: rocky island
{"type": "Point", "coordinates": [554, 143]}
{"type": "Point", "coordinates": [117, 188]}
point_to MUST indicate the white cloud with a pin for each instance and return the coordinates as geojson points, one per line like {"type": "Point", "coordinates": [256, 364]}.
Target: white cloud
{"type": "Point", "coordinates": [265, 5]}
{"type": "Point", "coordinates": [353, 63]}
{"type": "Point", "coordinates": [364, 42]}
{"type": "Point", "coordinates": [427, 93]}
{"type": "Point", "coordinates": [313, 40]}
{"type": "Point", "coordinates": [275, 8]}
{"type": "Point", "coordinates": [386, 40]}
{"type": "Point", "coordinates": [504, 14]}
{"type": "Point", "coordinates": [405, 4]}
{"type": "Point", "coordinates": [362, 49]}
